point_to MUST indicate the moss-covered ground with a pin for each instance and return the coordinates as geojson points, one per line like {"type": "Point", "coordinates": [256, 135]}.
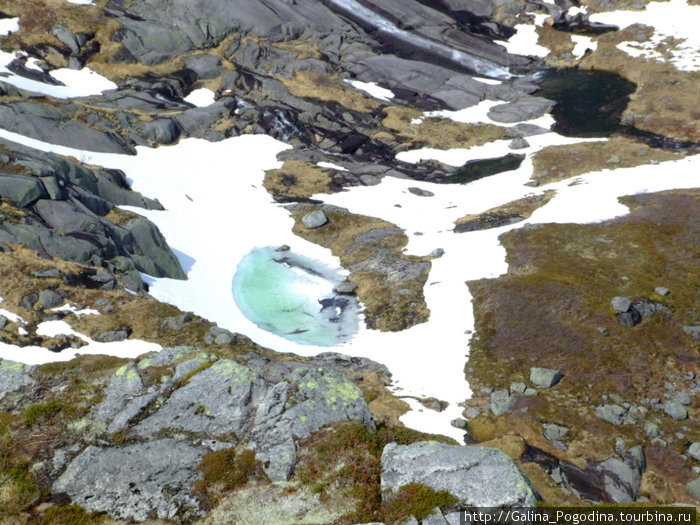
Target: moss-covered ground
{"type": "Point", "coordinates": [552, 309]}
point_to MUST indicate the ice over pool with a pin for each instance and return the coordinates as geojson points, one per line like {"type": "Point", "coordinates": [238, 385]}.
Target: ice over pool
{"type": "Point", "coordinates": [293, 296]}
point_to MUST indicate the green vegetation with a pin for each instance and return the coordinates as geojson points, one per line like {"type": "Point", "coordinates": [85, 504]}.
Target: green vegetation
{"type": "Point", "coordinates": [345, 460]}
{"type": "Point", "coordinates": [416, 500]}
{"type": "Point", "coordinates": [36, 413]}
{"type": "Point", "coordinates": [69, 514]}
{"type": "Point", "coordinates": [228, 469]}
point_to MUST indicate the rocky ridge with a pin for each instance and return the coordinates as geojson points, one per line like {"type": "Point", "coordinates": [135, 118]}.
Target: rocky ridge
{"type": "Point", "coordinates": [280, 68]}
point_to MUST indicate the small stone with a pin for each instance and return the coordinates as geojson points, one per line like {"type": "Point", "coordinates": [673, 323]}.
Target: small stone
{"type": "Point", "coordinates": [675, 410]}
{"type": "Point", "coordinates": [315, 219]}
{"type": "Point", "coordinates": [283, 248]}
{"type": "Point", "coordinates": [111, 336]}
{"type": "Point", "coordinates": [660, 290]}
{"type": "Point", "coordinates": [620, 304]}
{"type": "Point", "coordinates": [519, 143]}
{"type": "Point", "coordinates": [693, 488]}
{"type": "Point", "coordinates": [3, 321]}
{"type": "Point", "coordinates": [530, 392]}
{"type": "Point", "coordinates": [602, 330]}
{"type": "Point", "coordinates": [28, 301]}
{"type": "Point", "coordinates": [545, 377]}
{"type": "Point", "coordinates": [472, 412]}
{"type": "Point", "coordinates": [420, 192]}
{"type": "Point", "coordinates": [554, 432]}
{"type": "Point", "coordinates": [224, 339]}
{"type": "Point", "coordinates": [694, 450]}
{"type": "Point", "coordinates": [517, 388]}
{"type": "Point", "coordinates": [49, 298]}
{"type": "Point", "coordinates": [682, 397]}
{"type": "Point", "coordinates": [346, 287]}
{"type": "Point", "coordinates": [610, 413]}
{"type": "Point", "coordinates": [613, 160]}
{"type": "Point", "coordinates": [437, 252]}
{"type": "Point", "coordinates": [48, 273]}
{"type": "Point", "coordinates": [501, 402]}
{"type": "Point", "coordinates": [486, 390]}
{"type": "Point", "coordinates": [693, 332]}
{"type": "Point", "coordinates": [459, 423]}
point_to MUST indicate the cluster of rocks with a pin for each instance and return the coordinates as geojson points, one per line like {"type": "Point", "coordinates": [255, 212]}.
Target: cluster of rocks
{"type": "Point", "coordinates": [503, 401]}
{"type": "Point", "coordinates": [174, 406]}
{"type": "Point", "coordinates": [631, 312]}
{"type": "Point", "coordinates": [65, 209]}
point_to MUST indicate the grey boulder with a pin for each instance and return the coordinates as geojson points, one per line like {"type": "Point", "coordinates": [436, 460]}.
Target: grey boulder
{"type": "Point", "coordinates": [131, 482]}
{"type": "Point", "coordinates": [545, 377]}
{"type": "Point", "coordinates": [13, 376]}
{"type": "Point", "coordinates": [315, 219]}
{"type": "Point", "coordinates": [308, 399]}
{"type": "Point", "coordinates": [477, 476]}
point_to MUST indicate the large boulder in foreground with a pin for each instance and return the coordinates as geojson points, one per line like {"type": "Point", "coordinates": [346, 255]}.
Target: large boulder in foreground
{"type": "Point", "coordinates": [136, 481]}
{"type": "Point", "coordinates": [477, 476]}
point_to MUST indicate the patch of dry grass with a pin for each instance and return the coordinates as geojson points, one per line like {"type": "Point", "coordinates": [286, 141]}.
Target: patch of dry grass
{"type": "Point", "coordinates": [307, 84]}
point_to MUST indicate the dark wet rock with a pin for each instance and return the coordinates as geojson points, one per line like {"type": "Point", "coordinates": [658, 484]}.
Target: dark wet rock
{"type": "Point", "coordinates": [308, 399]}
{"type": "Point", "coordinates": [314, 219]}
{"type": "Point", "coordinates": [501, 402]}
{"type": "Point", "coordinates": [13, 377]}
{"type": "Point", "coordinates": [621, 482]}
{"type": "Point", "coordinates": [135, 482]}
{"type": "Point", "coordinates": [22, 191]}
{"type": "Point", "coordinates": [214, 402]}
{"type": "Point", "coordinates": [477, 476]}
{"type": "Point", "coordinates": [545, 377]}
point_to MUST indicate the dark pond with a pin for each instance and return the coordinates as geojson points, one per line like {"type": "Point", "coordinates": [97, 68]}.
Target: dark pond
{"type": "Point", "coordinates": [589, 103]}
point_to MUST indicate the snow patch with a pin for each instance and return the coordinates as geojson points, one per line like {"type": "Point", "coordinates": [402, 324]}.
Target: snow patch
{"type": "Point", "coordinates": [8, 25]}
{"type": "Point", "coordinates": [674, 18]}
{"type": "Point", "coordinates": [372, 89]}
{"type": "Point", "coordinates": [201, 97]}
